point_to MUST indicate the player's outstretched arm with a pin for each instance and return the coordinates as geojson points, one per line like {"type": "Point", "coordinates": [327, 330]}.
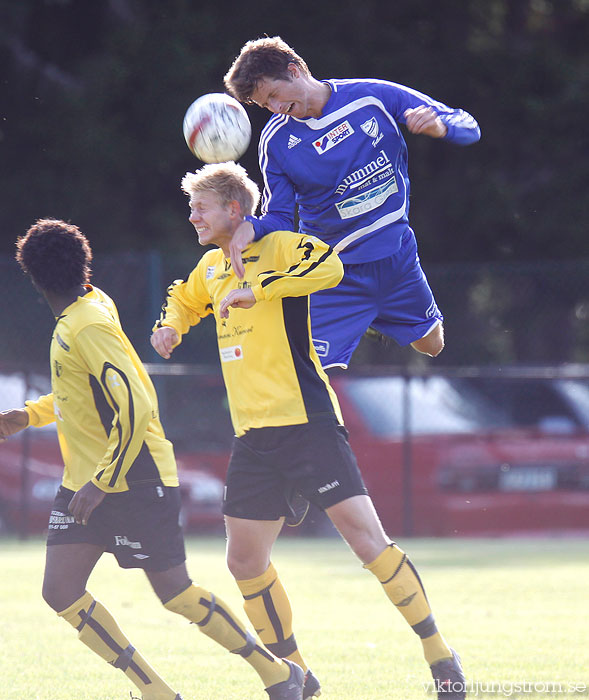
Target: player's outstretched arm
{"type": "Point", "coordinates": [12, 421]}
{"type": "Point", "coordinates": [164, 340]}
{"type": "Point", "coordinates": [243, 236]}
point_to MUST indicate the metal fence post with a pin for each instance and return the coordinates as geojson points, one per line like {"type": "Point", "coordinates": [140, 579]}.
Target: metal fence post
{"type": "Point", "coordinates": [156, 298]}
{"type": "Point", "coordinates": [25, 437]}
{"type": "Point", "coordinates": [407, 488]}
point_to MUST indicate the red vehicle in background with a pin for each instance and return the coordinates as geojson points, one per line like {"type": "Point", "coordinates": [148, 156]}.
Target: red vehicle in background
{"type": "Point", "coordinates": [31, 469]}
{"type": "Point", "coordinates": [441, 455]}
{"type": "Point", "coordinates": [451, 456]}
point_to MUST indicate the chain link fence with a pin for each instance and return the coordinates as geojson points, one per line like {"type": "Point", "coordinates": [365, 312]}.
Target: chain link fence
{"type": "Point", "coordinates": [454, 451]}
{"type": "Point", "coordinates": [491, 435]}
{"type": "Point", "coordinates": [495, 314]}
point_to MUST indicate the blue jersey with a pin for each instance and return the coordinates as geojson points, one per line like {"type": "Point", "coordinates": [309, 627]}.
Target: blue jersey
{"type": "Point", "coordinates": [347, 171]}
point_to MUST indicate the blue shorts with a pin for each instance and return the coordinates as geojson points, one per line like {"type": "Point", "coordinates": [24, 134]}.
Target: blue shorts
{"type": "Point", "coordinates": [391, 295]}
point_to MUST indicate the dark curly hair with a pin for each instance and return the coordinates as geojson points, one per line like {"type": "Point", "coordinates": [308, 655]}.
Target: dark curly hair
{"type": "Point", "coordinates": [268, 57]}
{"type": "Point", "coordinates": [55, 254]}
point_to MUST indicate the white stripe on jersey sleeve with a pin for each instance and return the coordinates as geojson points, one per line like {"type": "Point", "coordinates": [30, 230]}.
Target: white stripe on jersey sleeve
{"type": "Point", "coordinates": [440, 107]}
{"type": "Point", "coordinates": [460, 119]}
{"type": "Point", "coordinates": [274, 125]}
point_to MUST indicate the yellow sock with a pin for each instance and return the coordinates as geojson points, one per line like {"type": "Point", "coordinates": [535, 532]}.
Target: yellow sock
{"type": "Point", "coordinates": [218, 622]}
{"type": "Point", "coordinates": [268, 609]}
{"type": "Point", "coordinates": [403, 586]}
{"type": "Point", "coordinates": [98, 629]}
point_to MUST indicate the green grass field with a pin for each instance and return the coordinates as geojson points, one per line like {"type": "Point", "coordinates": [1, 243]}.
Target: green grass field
{"type": "Point", "coordinates": [517, 610]}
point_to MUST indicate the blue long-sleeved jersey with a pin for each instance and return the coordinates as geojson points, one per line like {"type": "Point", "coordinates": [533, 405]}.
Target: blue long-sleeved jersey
{"type": "Point", "coordinates": [347, 170]}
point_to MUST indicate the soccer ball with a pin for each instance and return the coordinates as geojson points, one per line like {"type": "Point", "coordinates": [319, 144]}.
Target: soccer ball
{"type": "Point", "coordinates": [217, 128]}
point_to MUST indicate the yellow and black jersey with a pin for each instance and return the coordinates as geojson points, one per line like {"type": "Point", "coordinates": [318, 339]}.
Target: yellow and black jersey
{"type": "Point", "coordinates": [271, 370]}
{"type": "Point", "coordinates": [103, 402]}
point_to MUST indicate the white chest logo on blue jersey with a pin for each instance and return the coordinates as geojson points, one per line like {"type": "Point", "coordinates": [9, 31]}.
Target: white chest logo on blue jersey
{"type": "Point", "coordinates": [377, 170]}
{"type": "Point", "coordinates": [367, 201]}
{"type": "Point", "coordinates": [333, 137]}
{"type": "Point", "coordinates": [371, 129]}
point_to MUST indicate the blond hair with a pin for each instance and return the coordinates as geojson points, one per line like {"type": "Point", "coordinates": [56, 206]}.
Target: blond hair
{"type": "Point", "coordinates": [229, 181]}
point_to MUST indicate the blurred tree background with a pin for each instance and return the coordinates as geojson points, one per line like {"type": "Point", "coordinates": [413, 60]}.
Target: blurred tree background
{"type": "Point", "coordinates": [93, 92]}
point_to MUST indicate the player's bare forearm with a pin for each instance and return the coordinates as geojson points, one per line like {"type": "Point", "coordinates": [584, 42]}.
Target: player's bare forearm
{"type": "Point", "coordinates": [12, 421]}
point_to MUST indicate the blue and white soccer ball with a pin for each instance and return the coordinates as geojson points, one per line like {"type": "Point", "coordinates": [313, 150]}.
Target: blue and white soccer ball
{"type": "Point", "coordinates": [217, 128]}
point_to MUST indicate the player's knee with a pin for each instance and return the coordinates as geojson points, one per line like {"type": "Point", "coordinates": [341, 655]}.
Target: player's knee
{"type": "Point", "coordinates": [366, 542]}
{"type": "Point", "coordinates": [244, 565]}
{"type": "Point", "coordinates": [237, 563]}
{"type": "Point", "coordinates": [367, 548]}
{"type": "Point", "coordinates": [437, 347]}
{"type": "Point", "coordinates": [169, 583]}
{"type": "Point", "coordinates": [48, 594]}
{"type": "Point", "coordinates": [432, 344]}
{"type": "Point", "coordinates": [56, 598]}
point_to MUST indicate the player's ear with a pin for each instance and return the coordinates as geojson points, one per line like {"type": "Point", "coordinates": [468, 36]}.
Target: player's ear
{"type": "Point", "coordinates": [293, 70]}
{"type": "Point", "coordinates": [235, 209]}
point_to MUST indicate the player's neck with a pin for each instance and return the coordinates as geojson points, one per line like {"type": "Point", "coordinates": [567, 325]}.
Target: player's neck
{"type": "Point", "coordinates": [59, 302]}
{"type": "Point", "coordinates": [225, 241]}
{"type": "Point", "coordinates": [319, 96]}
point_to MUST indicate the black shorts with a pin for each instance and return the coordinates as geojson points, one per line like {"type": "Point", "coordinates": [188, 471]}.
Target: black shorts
{"type": "Point", "coordinates": [268, 465]}
{"type": "Point", "coordinates": [140, 527]}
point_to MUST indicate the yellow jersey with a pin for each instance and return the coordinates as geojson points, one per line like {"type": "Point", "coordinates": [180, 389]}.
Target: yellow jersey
{"type": "Point", "coordinates": [272, 373]}
{"type": "Point", "coordinates": [103, 402]}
